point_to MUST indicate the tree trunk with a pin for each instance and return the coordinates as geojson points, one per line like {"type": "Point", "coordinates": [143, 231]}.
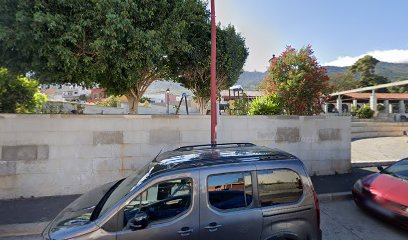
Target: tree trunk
{"type": "Point", "coordinates": [202, 104]}
{"type": "Point", "coordinates": [133, 103]}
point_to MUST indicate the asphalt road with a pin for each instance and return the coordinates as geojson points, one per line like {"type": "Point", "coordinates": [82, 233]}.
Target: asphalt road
{"type": "Point", "coordinates": [340, 220]}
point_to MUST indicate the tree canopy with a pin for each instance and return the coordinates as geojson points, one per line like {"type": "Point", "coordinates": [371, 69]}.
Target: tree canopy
{"type": "Point", "coordinates": [365, 67]}
{"type": "Point", "coordinates": [19, 94]}
{"type": "Point", "coordinates": [195, 71]}
{"type": "Point", "coordinates": [344, 81]}
{"type": "Point", "coordinates": [122, 46]}
{"type": "Point", "coordinates": [299, 82]}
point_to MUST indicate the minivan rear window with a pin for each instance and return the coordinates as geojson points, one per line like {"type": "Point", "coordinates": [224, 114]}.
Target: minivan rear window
{"type": "Point", "coordinates": [230, 191]}
{"type": "Point", "coordinates": [281, 186]}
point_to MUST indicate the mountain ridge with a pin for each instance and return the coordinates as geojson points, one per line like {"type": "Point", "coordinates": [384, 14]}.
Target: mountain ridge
{"type": "Point", "coordinates": [392, 71]}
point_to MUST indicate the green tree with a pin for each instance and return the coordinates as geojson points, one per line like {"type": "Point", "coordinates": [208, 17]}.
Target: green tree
{"type": "Point", "coordinates": [301, 84]}
{"type": "Point", "coordinates": [195, 73]}
{"type": "Point", "coordinates": [365, 67]}
{"type": "Point", "coordinates": [266, 105]}
{"type": "Point", "coordinates": [19, 94]}
{"type": "Point", "coordinates": [122, 46]}
{"type": "Point", "coordinates": [344, 81]}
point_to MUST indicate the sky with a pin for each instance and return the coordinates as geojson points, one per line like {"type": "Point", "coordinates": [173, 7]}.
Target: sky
{"type": "Point", "coordinates": [339, 31]}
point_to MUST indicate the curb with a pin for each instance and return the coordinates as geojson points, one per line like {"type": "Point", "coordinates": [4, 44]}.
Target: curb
{"type": "Point", "coordinates": [373, 164]}
{"type": "Point", "coordinates": [333, 197]}
{"type": "Point", "coordinates": [22, 229]}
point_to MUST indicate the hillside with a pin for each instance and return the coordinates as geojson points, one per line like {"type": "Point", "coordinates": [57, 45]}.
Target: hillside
{"type": "Point", "coordinates": [392, 71]}
{"type": "Point", "coordinates": [250, 80]}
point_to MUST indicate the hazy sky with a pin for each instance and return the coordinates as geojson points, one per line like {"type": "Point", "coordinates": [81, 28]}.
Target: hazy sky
{"type": "Point", "coordinates": [339, 31]}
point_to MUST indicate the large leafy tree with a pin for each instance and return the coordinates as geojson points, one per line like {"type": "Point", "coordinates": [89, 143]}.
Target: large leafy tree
{"type": "Point", "coordinates": [122, 46]}
{"type": "Point", "coordinates": [19, 94]}
{"type": "Point", "coordinates": [298, 80]}
{"type": "Point", "coordinates": [195, 71]}
{"type": "Point", "coordinates": [344, 81]}
{"type": "Point", "coordinates": [365, 67]}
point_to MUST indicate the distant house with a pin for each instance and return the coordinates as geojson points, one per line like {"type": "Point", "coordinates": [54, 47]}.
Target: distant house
{"type": "Point", "coordinates": [97, 94]}
{"type": "Point", "coordinates": [70, 93]}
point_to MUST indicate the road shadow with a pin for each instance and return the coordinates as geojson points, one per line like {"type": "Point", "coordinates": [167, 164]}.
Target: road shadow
{"type": "Point", "coordinates": [340, 182]}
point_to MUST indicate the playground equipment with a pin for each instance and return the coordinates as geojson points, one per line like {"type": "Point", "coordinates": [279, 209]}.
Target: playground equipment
{"type": "Point", "coordinates": [183, 96]}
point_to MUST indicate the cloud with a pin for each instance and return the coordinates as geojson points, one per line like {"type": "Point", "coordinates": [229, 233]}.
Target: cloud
{"type": "Point", "coordinates": [391, 56]}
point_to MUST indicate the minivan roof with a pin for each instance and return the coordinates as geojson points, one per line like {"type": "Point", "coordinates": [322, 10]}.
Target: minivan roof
{"type": "Point", "coordinates": [218, 154]}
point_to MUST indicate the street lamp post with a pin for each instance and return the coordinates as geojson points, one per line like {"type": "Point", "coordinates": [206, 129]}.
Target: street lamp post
{"type": "Point", "coordinates": [168, 100]}
{"type": "Point", "coordinates": [214, 109]}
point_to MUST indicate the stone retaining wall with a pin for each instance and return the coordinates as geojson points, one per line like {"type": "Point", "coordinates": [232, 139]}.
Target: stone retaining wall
{"type": "Point", "coordinates": [46, 155]}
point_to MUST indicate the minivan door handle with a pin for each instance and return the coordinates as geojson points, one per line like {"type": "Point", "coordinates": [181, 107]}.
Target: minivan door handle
{"type": "Point", "coordinates": [185, 231]}
{"type": "Point", "coordinates": [212, 227]}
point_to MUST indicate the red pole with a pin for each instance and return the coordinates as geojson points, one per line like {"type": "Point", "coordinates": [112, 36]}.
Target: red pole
{"type": "Point", "coordinates": [214, 109]}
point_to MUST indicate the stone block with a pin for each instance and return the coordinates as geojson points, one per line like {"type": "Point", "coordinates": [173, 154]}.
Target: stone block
{"type": "Point", "coordinates": [341, 166]}
{"type": "Point", "coordinates": [165, 136]}
{"type": "Point", "coordinates": [330, 134]}
{"type": "Point", "coordinates": [7, 168]}
{"type": "Point", "coordinates": [106, 164]}
{"type": "Point", "coordinates": [321, 165]}
{"type": "Point", "coordinates": [266, 134]}
{"type": "Point", "coordinates": [24, 153]}
{"type": "Point", "coordinates": [288, 134]}
{"type": "Point", "coordinates": [195, 136]}
{"type": "Point", "coordinates": [107, 137]}
{"type": "Point", "coordinates": [100, 151]}
{"type": "Point", "coordinates": [136, 137]}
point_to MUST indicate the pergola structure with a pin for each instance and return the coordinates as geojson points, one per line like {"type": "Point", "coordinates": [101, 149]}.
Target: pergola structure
{"type": "Point", "coordinates": [372, 98]}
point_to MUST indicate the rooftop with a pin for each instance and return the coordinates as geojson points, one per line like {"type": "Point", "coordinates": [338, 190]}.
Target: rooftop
{"type": "Point", "coordinates": [366, 96]}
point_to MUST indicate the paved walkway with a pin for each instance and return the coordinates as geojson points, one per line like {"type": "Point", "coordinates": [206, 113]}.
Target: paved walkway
{"type": "Point", "coordinates": [344, 220]}
{"type": "Point", "coordinates": [382, 149]}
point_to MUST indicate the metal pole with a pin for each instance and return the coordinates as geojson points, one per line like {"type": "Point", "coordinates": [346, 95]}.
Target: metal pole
{"type": "Point", "coordinates": [168, 101]}
{"type": "Point", "coordinates": [213, 75]}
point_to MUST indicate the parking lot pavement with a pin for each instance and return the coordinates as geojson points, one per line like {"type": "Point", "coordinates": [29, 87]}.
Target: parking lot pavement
{"type": "Point", "coordinates": [344, 220]}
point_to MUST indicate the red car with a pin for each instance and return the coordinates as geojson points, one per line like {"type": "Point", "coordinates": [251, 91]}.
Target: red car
{"type": "Point", "coordinates": [385, 193]}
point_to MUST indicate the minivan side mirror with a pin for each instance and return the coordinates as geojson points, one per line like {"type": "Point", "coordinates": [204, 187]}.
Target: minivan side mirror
{"type": "Point", "coordinates": [139, 221]}
{"type": "Point", "coordinates": [380, 168]}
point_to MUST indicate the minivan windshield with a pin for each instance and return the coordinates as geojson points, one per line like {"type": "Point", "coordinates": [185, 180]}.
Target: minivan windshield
{"type": "Point", "coordinates": [121, 190]}
{"type": "Point", "coordinates": [398, 170]}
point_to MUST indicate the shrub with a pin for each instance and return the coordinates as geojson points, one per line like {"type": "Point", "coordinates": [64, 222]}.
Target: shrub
{"type": "Point", "coordinates": [365, 112]}
{"type": "Point", "coordinates": [266, 105]}
{"type": "Point", "coordinates": [241, 106]}
{"type": "Point", "coordinates": [109, 102]}
{"type": "Point", "coordinates": [144, 99]}
{"type": "Point", "coordinates": [380, 107]}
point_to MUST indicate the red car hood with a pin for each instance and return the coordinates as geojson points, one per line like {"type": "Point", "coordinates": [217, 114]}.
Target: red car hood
{"type": "Point", "coordinates": [390, 188]}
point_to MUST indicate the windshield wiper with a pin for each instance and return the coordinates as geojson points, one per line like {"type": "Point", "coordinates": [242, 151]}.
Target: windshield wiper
{"type": "Point", "coordinates": [99, 206]}
{"type": "Point", "coordinates": [391, 174]}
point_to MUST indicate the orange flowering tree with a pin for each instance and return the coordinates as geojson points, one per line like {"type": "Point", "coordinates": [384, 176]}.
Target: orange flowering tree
{"type": "Point", "coordinates": [300, 83]}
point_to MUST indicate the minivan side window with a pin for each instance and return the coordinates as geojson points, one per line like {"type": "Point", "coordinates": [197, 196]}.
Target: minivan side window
{"type": "Point", "coordinates": [281, 186]}
{"type": "Point", "coordinates": [161, 201]}
{"type": "Point", "coordinates": [230, 191]}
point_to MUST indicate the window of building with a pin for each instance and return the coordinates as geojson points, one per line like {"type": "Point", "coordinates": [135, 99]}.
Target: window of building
{"type": "Point", "coordinates": [280, 186]}
{"type": "Point", "coordinates": [161, 201]}
{"type": "Point", "coordinates": [230, 191]}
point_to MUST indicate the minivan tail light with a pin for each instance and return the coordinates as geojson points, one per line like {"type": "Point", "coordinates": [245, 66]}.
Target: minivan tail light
{"type": "Point", "coordinates": [317, 205]}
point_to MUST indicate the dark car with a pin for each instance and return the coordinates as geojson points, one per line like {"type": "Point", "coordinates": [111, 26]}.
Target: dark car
{"type": "Point", "coordinates": [226, 191]}
{"type": "Point", "coordinates": [385, 193]}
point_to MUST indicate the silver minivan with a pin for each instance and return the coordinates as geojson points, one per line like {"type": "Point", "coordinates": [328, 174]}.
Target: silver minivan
{"type": "Point", "coordinates": [234, 191]}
